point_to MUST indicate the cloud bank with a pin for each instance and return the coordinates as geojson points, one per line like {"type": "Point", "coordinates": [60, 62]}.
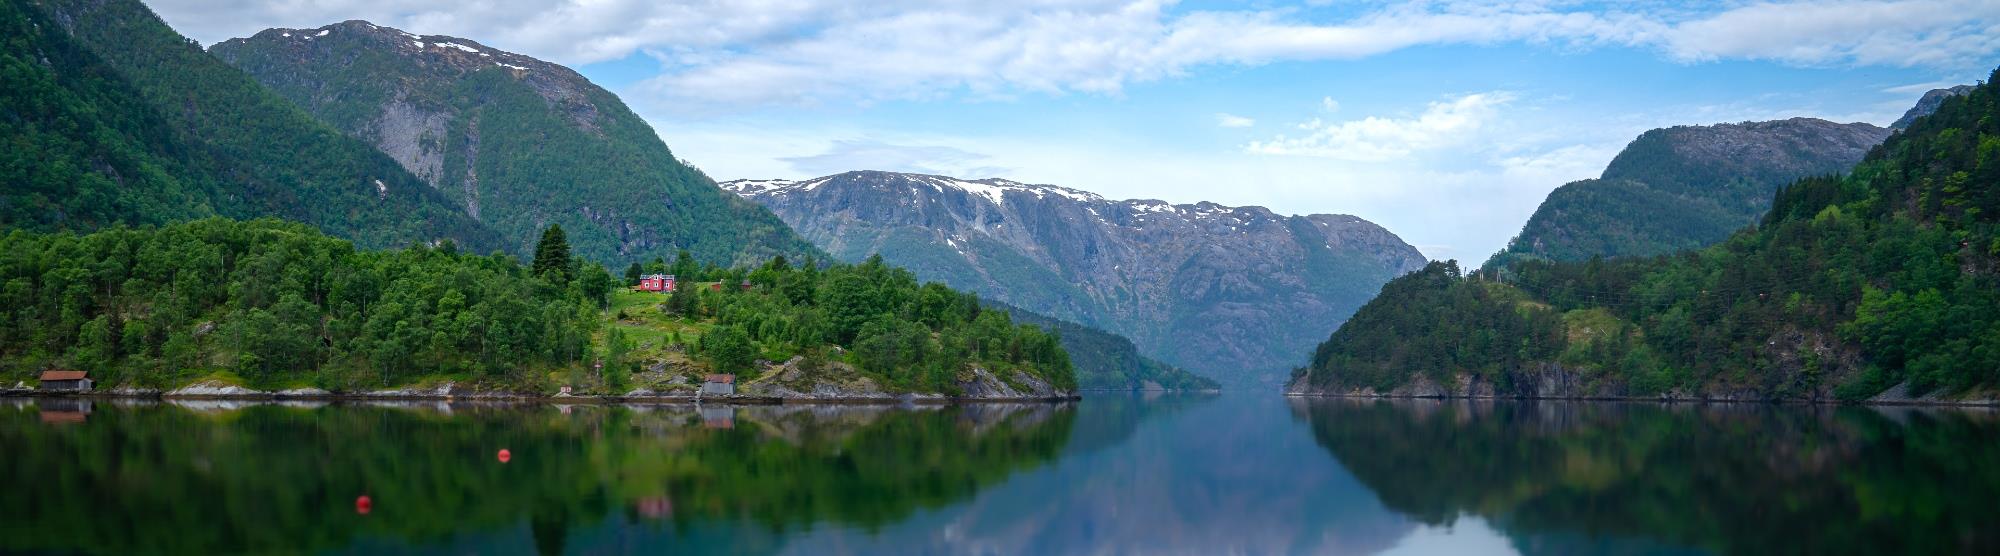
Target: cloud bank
{"type": "Point", "coordinates": [723, 53]}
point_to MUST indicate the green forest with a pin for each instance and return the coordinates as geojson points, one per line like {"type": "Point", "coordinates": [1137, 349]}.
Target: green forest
{"type": "Point", "coordinates": [1849, 286]}
{"type": "Point", "coordinates": [871, 316]}
{"type": "Point", "coordinates": [278, 305]}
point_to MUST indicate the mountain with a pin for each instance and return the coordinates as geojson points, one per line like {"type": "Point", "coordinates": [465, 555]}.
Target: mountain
{"type": "Point", "coordinates": [1229, 292]}
{"type": "Point", "coordinates": [519, 143]}
{"type": "Point", "coordinates": [1883, 284]}
{"type": "Point", "coordinates": [110, 117]}
{"type": "Point", "coordinates": [1929, 103]}
{"type": "Point", "coordinates": [1712, 180]}
{"type": "Point", "coordinates": [1106, 361]}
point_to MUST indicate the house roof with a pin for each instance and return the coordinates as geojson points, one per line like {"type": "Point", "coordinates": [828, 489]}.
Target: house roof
{"type": "Point", "coordinates": [725, 379]}
{"type": "Point", "coordinates": [65, 375]}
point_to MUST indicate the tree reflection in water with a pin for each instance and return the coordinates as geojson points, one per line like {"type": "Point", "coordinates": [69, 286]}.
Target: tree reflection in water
{"type": "Point", "coordinates": [1564, 477]}
{"type": "Point", "coordinates": [231, 477]}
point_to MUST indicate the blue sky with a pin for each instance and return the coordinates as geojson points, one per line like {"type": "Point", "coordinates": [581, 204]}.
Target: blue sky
{"type": "Point", "coordinates": [1446, 122]}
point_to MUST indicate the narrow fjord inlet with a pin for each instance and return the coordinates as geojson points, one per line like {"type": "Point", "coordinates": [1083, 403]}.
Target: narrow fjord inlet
{"type": "Point", "coordinates": [1093, 277]}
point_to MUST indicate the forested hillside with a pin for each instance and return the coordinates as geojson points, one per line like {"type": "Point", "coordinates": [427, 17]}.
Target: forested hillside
{"type": "Point", "coordinates": [1685, 187]}
{"type": "Point", "coordinates": [110, 116]}
{"type": "Point", "coordinates": [279, 305]}
{"type": "Point", "coordinates": [1848, 287]}
{"type": "Point", "coordinates": [517, 142]}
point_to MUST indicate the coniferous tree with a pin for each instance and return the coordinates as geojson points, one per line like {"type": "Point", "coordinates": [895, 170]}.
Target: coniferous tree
{"type": "Point", "coordinates": [552, 256]}
{"type": "Point", "coordinates": [632, 274]}
{"type": "Point", "coordinates": [684, 267]}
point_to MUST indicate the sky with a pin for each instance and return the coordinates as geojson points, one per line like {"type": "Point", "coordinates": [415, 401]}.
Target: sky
{"type": "Point", "coordinates": [1446, 122]}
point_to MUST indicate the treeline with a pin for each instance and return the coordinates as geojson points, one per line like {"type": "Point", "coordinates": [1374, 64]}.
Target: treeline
{"type": "Point", "coordinates": [915, 336]}
{"type": "Point", "coordinates": [1437, 322]}
{"type": "Point", "coordinates": [280, 304]}
{"type": "Point", "coordinates": [1849, 286]}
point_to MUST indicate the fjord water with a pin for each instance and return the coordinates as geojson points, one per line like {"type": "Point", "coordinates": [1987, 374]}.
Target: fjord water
{"type": "Point", "coordinates": [1195, 475]}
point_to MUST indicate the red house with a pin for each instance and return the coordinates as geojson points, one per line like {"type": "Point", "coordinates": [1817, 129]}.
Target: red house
{"type": "Point", "coordinates": [656, 283]}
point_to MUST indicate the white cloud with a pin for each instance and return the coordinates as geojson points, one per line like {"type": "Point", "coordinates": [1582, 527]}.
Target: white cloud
{"type": "Point", "coordinates": [1905, 33]}
{"type": "Point", "coordinates": [868, 154]}
{"type": "Point", "coordinates": [1232, 120]}
{"type": "Point", "coordinates": [720, 53]}
{"type": "Point", "coordinates": [1442, 124]}
{"type": "Point", "coordinates": [1329, 105]}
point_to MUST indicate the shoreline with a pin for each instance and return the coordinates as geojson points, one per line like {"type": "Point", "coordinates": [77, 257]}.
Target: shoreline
{"type": "Point", "coordinates": [1985, 403]}
{"type": "Point", "coordinates": [587, 399]}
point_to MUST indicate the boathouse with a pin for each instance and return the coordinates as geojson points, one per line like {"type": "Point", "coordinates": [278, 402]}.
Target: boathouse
{"type": "Point", "coordinates": [721, 384]}
{"type": "Point", "coordinates": [65, 381]}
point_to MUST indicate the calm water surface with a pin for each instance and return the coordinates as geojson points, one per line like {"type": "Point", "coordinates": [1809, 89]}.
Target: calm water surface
{"type": "Point", "coordinates": [1238, 474]}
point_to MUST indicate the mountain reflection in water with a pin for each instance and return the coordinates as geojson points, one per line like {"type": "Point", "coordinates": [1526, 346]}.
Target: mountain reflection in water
{"type": "Point", "coordinates": [1239, 474]}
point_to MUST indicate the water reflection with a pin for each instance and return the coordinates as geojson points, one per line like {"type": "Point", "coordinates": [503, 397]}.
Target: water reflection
{"type": "Point", "coordinates": [203, 477]}
{"type": "Point", "coordinates": [1644, 478]}
{"type": "Point", "coordinates": [1166, 475]}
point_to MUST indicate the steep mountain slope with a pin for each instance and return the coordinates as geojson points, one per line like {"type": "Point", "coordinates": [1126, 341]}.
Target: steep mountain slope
{"type": "Point", "coordinates": [1928, 104]}
{"type": "Point", "coordinates": [518, 142]}
{"type": "Point", "coordinates": [110, 116]}
{"type": "Point", "coordinates": [1713, 180]}
{"type": "Point", "coordinates": [1227, 292]}
{"type": "Point", "coordinates": [1883, 284]}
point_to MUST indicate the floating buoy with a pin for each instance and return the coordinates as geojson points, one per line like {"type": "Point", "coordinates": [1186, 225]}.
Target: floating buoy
{"type": "Point", "coordinates": [363, 504]}
{"type": "Point", "coordinates": [505, 455]}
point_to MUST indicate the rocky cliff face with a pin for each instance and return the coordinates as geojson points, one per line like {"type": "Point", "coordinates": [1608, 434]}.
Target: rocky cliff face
{"type": "Point", "coordinates": [1928, 104]}
{"type": "Point", "coordinates": [517, 142]}
{"type": "Point", "coordinates": [1686, 187]}
{"type": "Point", "coordinates": [1232, 292]}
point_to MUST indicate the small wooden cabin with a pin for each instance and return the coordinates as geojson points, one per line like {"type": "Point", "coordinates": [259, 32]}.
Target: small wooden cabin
{"type": "Point", "coordinates": [721, 384]}
{"type": "Point", "coordinates": [55, 380]}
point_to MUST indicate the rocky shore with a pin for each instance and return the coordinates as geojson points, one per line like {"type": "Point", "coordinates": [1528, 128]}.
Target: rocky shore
{"type": "Point", "coordinates": [785, 383]}
{"type": "Point", "coordinates": [1554, 382]}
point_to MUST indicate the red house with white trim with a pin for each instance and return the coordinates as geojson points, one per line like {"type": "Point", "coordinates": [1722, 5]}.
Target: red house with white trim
{"type": "Point", "coordinates": [656, 283]}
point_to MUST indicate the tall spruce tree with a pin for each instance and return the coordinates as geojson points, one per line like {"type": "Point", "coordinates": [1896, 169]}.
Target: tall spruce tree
{"type": "Point", "coordinates": [552, 256]}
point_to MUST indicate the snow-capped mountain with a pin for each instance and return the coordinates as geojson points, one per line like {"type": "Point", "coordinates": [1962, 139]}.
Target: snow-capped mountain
{"type": "Point", "coordinates": [1227, 291]}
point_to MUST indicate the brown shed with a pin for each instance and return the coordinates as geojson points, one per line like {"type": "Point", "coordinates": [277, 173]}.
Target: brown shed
{"type": "Point", "coordinates": [719, 384]}
{"type": "Point", "coordinates": [63, 380]}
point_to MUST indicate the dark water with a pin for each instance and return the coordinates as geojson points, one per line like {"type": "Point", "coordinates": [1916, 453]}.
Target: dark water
{"type": "Point", "coordinates": [1191, 475]}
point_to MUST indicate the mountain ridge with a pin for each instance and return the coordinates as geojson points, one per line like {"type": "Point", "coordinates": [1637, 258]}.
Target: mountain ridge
{"type": "Point", "coordinates": [1714, 179]}
{"type": "Point", "coordinates": [1202, 286]}
{"type": "Point", "coordinates": [516, 142]}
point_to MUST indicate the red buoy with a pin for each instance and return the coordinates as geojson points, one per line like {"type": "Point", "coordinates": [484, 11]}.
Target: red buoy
{"type": "Point", "coordinates": [363, 504]}
{"type": "Point", "coordinates": [505, 455]}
